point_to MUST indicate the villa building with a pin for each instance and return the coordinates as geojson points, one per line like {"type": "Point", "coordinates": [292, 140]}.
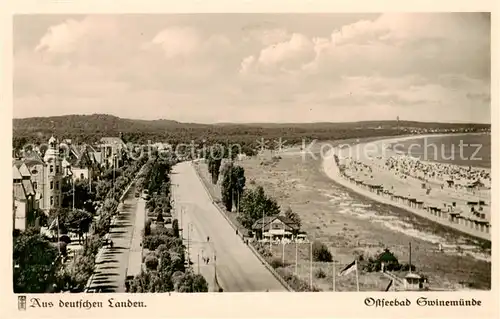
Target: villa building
{"type": "Point", "coordinates": [275, 227]}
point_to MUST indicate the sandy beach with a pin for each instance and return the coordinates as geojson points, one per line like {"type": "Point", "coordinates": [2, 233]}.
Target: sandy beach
{"type": "Point", "coordinates": [374, 155]}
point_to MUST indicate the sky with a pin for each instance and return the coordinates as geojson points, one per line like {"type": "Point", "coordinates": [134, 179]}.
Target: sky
{"type": "Point", "coordinates": [210, 68]}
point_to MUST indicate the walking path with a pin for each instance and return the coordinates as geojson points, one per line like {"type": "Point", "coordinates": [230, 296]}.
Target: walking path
{"type": "Point", "coordinates": [112, 263]}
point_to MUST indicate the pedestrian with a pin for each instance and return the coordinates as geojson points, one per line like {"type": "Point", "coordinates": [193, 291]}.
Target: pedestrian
{"type": "Point", "coordinates": [208, 238]}
{"type": "Point", "coordinates": [236, 232]}
{"type": "Point", "coordinates": [111, 243]}
{"type": "Point", "coordinates": [208, 260]}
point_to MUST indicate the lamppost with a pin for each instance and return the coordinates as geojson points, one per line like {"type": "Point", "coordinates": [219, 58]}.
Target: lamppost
{"type": "Point", "coordinates": [190, 228]}
{"type": "Point", "coordinates": [199, 259]}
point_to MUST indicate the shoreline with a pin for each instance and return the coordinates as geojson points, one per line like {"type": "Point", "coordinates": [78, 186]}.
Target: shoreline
{"type": "Point", "coordinates": [332, 171]}
{"type": "Point", "coordinates": [417, 137]}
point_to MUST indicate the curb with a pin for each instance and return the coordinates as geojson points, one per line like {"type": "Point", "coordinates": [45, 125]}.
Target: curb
{"type": "Point", "coordinates": [252, 249]}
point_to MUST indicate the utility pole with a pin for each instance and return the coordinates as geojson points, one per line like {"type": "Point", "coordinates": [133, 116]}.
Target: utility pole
{"type": "Point", "coordinates": [263, 218]}
{"type": "Point", "coordinates": [73, 186]}
{"type": "Point", "coordinates": [283, 257]}
{"type": "Point", "coordinates": [189, 229]}
{"type": "Point", "coordinates": [409, 262]}
{"type": "Point", "coordinates": [311, 268]}
{"type": "Point", "coordinates": [296, 257]}
{"type": "Point", "coordinates": [114, 169]}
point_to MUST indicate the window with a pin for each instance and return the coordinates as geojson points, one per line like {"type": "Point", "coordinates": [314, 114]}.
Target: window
{"type": "Point", "coordinates": [52, 168]}
{"type": "Point", "coordinates": [81, 176]}
{"type": "Point", "coordinates": [51, 185]}
{"type": "Point", "coordinates": [57, 169]}
{"type": "Point", "coordinates": [276, 226]}
{"type": "Point", "coordinates": [35, 184]}
{"type": "Point", "coordinates": [51, 200]}
{"type": "Point", "coordinates": [57, 201]}
{"type": "Point", "coordinates": [57, 185]}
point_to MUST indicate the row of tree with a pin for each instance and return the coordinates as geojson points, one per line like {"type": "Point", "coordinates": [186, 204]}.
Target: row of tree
{"type": "Point", "coordinates": [251, 204]}
{"type": "Point", "coordinates": [165, 263]}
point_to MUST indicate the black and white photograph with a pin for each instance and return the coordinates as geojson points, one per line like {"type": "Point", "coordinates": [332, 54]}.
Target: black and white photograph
{"type": "Point", "coordinates": [252, 152]}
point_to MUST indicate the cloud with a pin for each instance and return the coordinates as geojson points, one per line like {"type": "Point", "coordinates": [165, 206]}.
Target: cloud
{"type": "Point", "coordinates": [73, 35]}
{"type": "Point", "coordinates": [175, 67]}
{"type": "Point", "coordinates": [187, 42]}
{"type": "Point", "coordinates": [392, 44]}
{"type": "Point", "coordinates": [177, 41]}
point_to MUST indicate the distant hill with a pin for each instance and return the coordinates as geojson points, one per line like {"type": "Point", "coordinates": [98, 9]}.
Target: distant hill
{"type": "Point", "coordinates": [90, 128]}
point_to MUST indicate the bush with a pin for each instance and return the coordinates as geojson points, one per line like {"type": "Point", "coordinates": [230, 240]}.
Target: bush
{"type": "Point", "coordinates": [163, 231]}
{"type": "Point", "coordinates": [151, 262]}
{"type": "Point", "coordinates": [406, 267]}
{"type": "Point", "coordinates": [152, 242]}
{"type": "Point", "coordinates": [147, 228]}
{"type": "Point", "coordinates": [293, 281]}
{"type": "Point", "coordinates": [319, 273]}
{"type": "Point", "coordinates": [321, 252]}
{"type": "Point", "coordinates": [276, 263]}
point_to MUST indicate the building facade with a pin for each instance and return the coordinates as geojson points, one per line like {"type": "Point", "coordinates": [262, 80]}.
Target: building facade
{"type": "Point", "coordinates": [53, 177]}
{"type": "Point", "coordinates": [110, 151]}
{"type": "Point", "coordinates": [25, 200]}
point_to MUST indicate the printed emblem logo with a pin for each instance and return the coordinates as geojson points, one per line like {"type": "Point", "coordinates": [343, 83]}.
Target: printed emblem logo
{"type": "Point", "coordinates": [21, 302]}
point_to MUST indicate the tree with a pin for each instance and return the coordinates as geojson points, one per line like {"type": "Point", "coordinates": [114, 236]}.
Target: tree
{"type": "Point", "coordinates": [293, 216]}
{"type": "Point", "coordinates": [320, 252]}
{"type": "Point", "coordinates": [189, 282]}
{"type": "Point", "coordinates": [227, 186]}
{"type": "Point", "coordinates": [83, 196]}
{"type": "Point", "coordinates": [147, 228]}
{"type": "Point", "coordinates": [80, 270]}
{"type": "Point", "coordinates": [149, 281]}
{"type": "Point", "coordinates": [160, 219]}
{"type": "Point", "coordinates": [254, 205]}
{"type": "Point", "coordinates": [151, 262]}
{"type": "Point", "coordinates": [233, 184]}
{"type": "Point", "coordinates": [35, 264]}
{"type": "Point", "coordinates": [175, 227]}
{"type": "Point", "coordinates": [214, 158]}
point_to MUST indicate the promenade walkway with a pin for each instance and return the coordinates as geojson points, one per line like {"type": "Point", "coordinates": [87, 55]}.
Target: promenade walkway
{"type": "Point", "coordinates": [112, 263]}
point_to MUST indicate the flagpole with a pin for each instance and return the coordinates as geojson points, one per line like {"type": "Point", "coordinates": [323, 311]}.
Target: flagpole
{"type": "Point", "coordinates": [311, 268]}
{"type": "Point", "coordinates": [357, 276]}
{"type": "Point", "coordinates": [333, 273]}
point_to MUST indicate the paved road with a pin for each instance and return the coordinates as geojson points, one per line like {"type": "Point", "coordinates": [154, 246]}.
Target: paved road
{"type": "Point", "coordinates": [237, 268]}
{"type": "Point", "coordinates": [111, 263]}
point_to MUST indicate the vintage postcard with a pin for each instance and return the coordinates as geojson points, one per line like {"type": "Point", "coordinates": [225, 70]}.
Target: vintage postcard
{"type": "Point", "coordinates": [191, 160]}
